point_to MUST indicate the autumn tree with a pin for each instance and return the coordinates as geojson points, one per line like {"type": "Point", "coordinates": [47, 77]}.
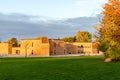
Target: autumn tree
{"type": "Point", "coordinates": [13, 41]}
{"type": "Point", "coordinates": [83, 36]}
{"type": "Point", "coordinates": [69, 39]}
{"type": "Point", "coordinates": [109, 33]}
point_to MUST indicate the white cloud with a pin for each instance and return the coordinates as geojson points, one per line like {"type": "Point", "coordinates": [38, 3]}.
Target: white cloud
{"type": "Point", "coordinates": [89, 7]}
{"type": "Point", "coordinates": [89, 2]}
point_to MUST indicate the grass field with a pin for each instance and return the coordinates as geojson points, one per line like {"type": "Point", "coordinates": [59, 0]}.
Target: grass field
{"type": "Point", "coordinates": [61, 68]}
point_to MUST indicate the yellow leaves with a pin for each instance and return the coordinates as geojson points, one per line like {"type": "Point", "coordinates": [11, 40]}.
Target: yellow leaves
{"type": "Point", "coordinates": [83, 37]}
{"type": "Point", "coordinates": [95, 27]}
{"type": "Point", "coordinates": [109, 33]}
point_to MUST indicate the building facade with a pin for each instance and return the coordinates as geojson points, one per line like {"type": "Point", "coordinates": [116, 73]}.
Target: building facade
{"type": "Point", "coordinates": [59, 47]}
{"type": "Point", "coordinates": [43, 47]}
{"type": "Point", "coordinates": [5, 48]}
{"type": "Point", "coordinates": [28, 47]}
{"type": "Point", "coordinates": [38, 47]}
{"type": "Point", "coordinates": [83, 48]}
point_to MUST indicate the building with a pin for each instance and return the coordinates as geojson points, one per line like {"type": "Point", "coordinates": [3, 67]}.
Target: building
{"type": "Point", "coordinates": [5, 48]}
{"type": "Point", "coordinates": [39, 47]}
{"type": "Point", "coordinates": [43, 47]}
{"type": "Point", "coordinates": [83, 48]}
{"type": "Point", "coordinates": [57, 47]}
{"type": "Point", "coordinates": [28, 47]}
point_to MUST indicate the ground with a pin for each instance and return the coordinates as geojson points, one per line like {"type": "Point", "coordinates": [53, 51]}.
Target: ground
{"type": "Point", "coordinates": [59, 68]}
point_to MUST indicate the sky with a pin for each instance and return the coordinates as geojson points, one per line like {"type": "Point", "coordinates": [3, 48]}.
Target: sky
{"type": "Point", "coordinates": [51, 18]}
{"type": "Point", "coordinates": [53, 8]}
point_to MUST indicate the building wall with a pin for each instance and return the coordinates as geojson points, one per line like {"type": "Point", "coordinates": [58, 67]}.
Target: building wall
{"type": "Point", "coordinates": [44, 47]}
{"type": "Point", "coordinates": [38, 47]}
{"type": "Point", "coordinates": [70, 48]}
{"type": "Point", "coordinates": [57, 47]}
{"type": "Point", "coordinates": [85, 48]}
{"type": "Point", "coordinates": [16, 50]}
{"type": "Point", "coordinates": [5, 48]}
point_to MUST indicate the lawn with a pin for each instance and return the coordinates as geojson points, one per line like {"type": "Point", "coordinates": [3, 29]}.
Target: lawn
{"type": "Point", "coordinates": [60, 68]}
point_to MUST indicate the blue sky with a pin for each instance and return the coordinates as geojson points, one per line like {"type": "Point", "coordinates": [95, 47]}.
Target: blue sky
{"type": "Point", "coordinates": [53, 8]}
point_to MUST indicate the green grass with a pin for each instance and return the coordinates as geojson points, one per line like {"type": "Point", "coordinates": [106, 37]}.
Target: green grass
{"type": "Point", "coordinates": [64, 68]}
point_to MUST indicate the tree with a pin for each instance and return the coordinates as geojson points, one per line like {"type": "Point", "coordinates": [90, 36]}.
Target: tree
{"type": "Point", "coordinates": [25, 44]}
{"type": "Point", "coordinates": [13, 41]}
{"type": "Point", "coordinates": [83, 36]}
{"type": "Point", "coordinates": [109, 33]}
{"type": "Point", "coordinates": [69, 39]}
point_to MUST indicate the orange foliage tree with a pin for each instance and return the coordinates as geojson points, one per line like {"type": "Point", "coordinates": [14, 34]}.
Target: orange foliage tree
{"type": "Point", "coordinates": [109, 33]}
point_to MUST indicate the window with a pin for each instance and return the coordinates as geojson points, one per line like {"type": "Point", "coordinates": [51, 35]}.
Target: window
{"type": "Point", "coordinates": [64, 51]}
{"type": "Point", "coordinates": [54, 44]}
{"type": "Point", "coordinates": [32, 44]}
{"type": "Point", "coordinates": [81, 46]}
{"type": "Point", "coordinates": [17, 52]}
{"type": "Point", "coordinates": [54, 51]}
{"type": "Point", "coordinates": [32, 52]}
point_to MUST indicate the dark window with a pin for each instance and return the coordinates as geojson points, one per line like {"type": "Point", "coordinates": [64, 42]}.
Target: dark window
{"type": "Point", "coordinates": [32, 52]}
{"type": "Point", "coordinates": [81, 46]}
{"type": "Point", "coordinates": [32, 44]}
{"type": "Point", "coordinates": [54, 44]}
{"type": "Point", "coordinates": [17, 52]}
{"type": "Point", "coordinates": [64, 51]}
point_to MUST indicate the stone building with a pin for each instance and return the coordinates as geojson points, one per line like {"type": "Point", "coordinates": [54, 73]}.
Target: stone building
{"type": "Point", "coordinates": [83, 48]}
{"type": "Point", "coordinates": [43, 47]}
{"type": "Point", "coordinates": [5, 48]}
{"type": "Point", "coordinates": [38, 47]}
{"type": "Point", "coordinates": [57, 47]}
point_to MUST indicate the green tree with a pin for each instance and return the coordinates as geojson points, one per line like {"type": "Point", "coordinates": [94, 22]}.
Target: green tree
{"type": "Point", "coordinates": [83, 36]}
{"type": "Point", "coordinates": [13, 41]}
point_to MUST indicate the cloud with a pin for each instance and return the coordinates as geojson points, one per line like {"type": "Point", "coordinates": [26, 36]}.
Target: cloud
{"type": "Point", "coordinates": [26, 26]}
{"type": "Point", "coordinates": [89, 2]}
{"type": "Point", "coordinates": [87, 6]}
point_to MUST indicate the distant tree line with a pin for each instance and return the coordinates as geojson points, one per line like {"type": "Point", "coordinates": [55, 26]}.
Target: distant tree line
{"type": "Point", "coordinates": [81, 36]}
